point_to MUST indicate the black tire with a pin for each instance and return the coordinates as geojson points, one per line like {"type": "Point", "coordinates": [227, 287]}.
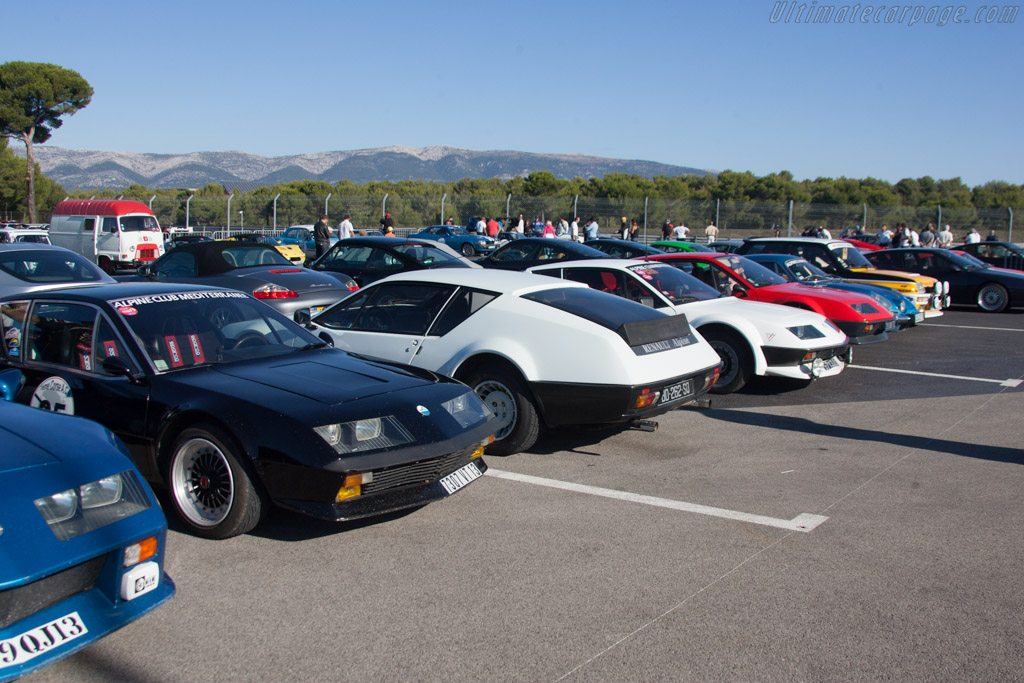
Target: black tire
{"type": "Point", "coordinates": [993, 298]}
{"type": "Point", "coordinates": [737, 359]}
{"type": "Point", "coordinates": [503, 392]}
{"type": "Point", "coordinates": [106, 265]}
{"type": "Point", "coordinates": [211, 489]}
{"type": "Point", "coordinates": [467, 250]}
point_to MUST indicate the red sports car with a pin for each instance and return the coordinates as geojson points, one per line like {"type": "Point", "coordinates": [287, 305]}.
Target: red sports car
{"type": "Point", "coordinates": [862, 318]}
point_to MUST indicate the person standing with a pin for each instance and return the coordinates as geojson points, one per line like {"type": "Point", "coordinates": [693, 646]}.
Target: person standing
{"type": "Point", "coordinates": [345, 229]}
{"type": "Point", "coordinates": [387, 224]}
{"type": "Point", "coordinates": [946, 237]}
{"type": "Point", "coordinates": [666, 229]}
{"type": "Point", "coordinates": [712, 232]}
{"type": "Point", "coordinates": [992, 236]}
{"type": "Point", "coordinates": [624, 228]}
{"type": "Point", "coordinates": [322, 236]}
{"type": "Point", "coordinates": [521, 225]}
{"type": "Point", "coordinates": [885, 237]}
{"type": "Point", "coordinates": [593, 230]}
{"type": "Point", "coordinates": [928, 236]}
{"type": "Point", "coordinates": [634, 231]}
{"type": "Point", "coordinates": [493, 228]}
{"type": "Point", "coordinates": [574, 229]}
{"type": "Point", "coordinates": [680, 231]}
{"type": "Point", "coordinates": [972, 237]}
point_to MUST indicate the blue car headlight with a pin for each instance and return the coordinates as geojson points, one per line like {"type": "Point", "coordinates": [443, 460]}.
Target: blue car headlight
{"type": "Point", "coordinates": [806, 332]}
{"type": "Point", "coordinates": [365, 435]}
{"type": "Point", "coordinates": [467, 409]}
{"type": "Point", "coordinates": [93, 505]}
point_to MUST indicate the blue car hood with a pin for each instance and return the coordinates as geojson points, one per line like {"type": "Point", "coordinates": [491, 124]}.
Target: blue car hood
{"type": "Point", "coordinates": [21, 453]}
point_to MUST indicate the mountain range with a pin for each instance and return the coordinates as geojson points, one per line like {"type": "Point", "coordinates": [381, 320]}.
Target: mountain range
{"type": "Point", "coordinates": [84, 170]}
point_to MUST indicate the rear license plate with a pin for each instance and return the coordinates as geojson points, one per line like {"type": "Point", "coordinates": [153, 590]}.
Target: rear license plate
{"type": "Point", "coordinates": [676, 391]}
{"type": "Point", "coordinates": [42, 639]}
{"type": "Point", "coordinates": [460, 477]}
{"type": "Point", "coordinates": [918, 317]}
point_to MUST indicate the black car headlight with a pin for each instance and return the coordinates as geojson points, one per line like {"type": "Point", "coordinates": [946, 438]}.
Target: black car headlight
{"type": "Point", "coordinates": [365, 435]}
{"type": "Point", "coordinates": [467, 409]}
{"type": "Point", "coordinates": [93, 505]}
{"type": "Point", "coordinates": [806, 332]}
{"type": "Point", "coordinates": [865, 309]}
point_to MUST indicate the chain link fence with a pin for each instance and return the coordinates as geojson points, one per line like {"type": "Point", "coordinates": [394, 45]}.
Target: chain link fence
{"type": "Point", "coordinates": [260, 211]}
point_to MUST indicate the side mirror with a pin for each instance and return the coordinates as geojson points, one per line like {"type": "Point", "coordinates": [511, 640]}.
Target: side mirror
{"type": "Point", "coordinates": [303, 317]}
{"type": "Point", "coordinates": [118, 367]}
{"type": "Point", "coordinates": [144, 271]}
{"type": "Point", "coordinates": [326, 339]}
{"type": "Point", "coordinates": [11, 382]}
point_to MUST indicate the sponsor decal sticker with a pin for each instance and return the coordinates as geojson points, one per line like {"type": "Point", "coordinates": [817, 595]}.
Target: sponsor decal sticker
{"type": "Point", "coordinates": [174, 352]}
{"type": "Point", "coordinates": [127, 310]}
{"type": "Point", "coordinates": [54, 394]}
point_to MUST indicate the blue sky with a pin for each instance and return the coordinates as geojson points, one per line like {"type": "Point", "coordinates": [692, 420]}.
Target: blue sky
{"type": "Point", "coordinates": [715, 85]}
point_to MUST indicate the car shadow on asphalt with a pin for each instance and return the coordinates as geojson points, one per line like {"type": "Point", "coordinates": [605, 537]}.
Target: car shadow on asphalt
{"type": "Point", "coordinates": [290, 526]}
{"type": "Point", "coordinates": [798, 424]}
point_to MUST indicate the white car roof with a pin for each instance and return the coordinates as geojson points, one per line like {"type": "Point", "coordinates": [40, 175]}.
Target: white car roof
{"type": "Point", "coordinates": [504, 281]}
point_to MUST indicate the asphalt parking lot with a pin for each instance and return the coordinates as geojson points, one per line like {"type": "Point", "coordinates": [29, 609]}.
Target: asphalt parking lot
{"type": "Point", "coordinates": [867, 526]}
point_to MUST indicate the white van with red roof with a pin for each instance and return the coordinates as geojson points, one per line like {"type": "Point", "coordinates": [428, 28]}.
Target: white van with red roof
{"type": "Point", "coordinates": [115, 233]}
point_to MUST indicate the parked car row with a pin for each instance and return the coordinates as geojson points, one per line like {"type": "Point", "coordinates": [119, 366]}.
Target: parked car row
{"type": "Point", "coordinates": [373, 380]}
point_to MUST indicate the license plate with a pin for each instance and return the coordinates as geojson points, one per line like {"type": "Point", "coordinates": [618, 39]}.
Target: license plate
{"type": "Point", "coordinates": [918, 317]}
{"type": "Point", "coordinates": [460, 477]}
{"type": "Point", "coordinates": [42, 639]}
{"type": "Point", "coordinates": [891, 325]}
{"type": "Point", "coordinates": [832, 363]}
{"type": "Point", "coordinates": [313, 310]}
{"type": "Point", "coordinates": [676, 391]}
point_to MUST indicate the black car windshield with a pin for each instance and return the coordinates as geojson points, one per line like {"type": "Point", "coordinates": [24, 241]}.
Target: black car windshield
{"type": "Point", "coordinates": [677, 286]}
{"type": "Point", "coordinates": [754, 273]}
{"type": "Point", "coordinates": [431, 256]}
{"type": "Point", "coordinates": [50, 267]}
{"type": "Point", "coordinates": [849, 256]}
{"type": "Point", "coordinates": [179, 330]}
{"type": "Point", "coordinates": [805, 271]}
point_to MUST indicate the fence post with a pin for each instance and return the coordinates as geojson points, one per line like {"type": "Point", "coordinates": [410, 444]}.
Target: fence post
{"type": "Point", "coordinates": [575, 213]}
{"type": "Point", "coordinates": [718, 206]}
{"type": "Point", "coordinates": [384, 205]}
{"type": "Point", "coordinates": [151, 202]}
{"type": "Point", "coordinates": [187, 202]}
{"type": "Point", "coordinates": [508, 203]}
{"type": "Point", "coordinates": [275, 209]}
{"type": "Point", "coordinates": [939, 222]}
{"type": "Point", "coordinates": [789, 228]}
{"type": "Point", "coordinates": [1009, 236]}
{"type": "Point", "coordinates": [230, 197]}
{"type": "Point", "coordinates": [864, 221]}
{"type": "Point", "coordinates": [443, 197]}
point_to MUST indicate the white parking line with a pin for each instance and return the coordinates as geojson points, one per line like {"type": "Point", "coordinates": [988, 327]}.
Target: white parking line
{"type": "Point", "coordinates": [974, 327]}
{"type": "Point", "coordinates": [1001, 382]}
{"type": "Point", "coordinates": [805, 522]}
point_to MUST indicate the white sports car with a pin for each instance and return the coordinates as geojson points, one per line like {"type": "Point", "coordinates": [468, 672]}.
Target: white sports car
{"type": "Point", "coordinates": [536, 350]}
{"type": "Point", "coordinates": [752, 338]}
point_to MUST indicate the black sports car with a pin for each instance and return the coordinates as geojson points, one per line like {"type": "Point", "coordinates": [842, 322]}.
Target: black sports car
{"type": "Point", "coordinates": [256, 269]}
{"type": "Point", "coordinates": [990, 289]}
{"type": "Point", "coordinates": [368, 259]}
{"type": "Point", "coordinates": [537, 251]}
{"type": "Point", "coordinates": [233, 407]}
{"type": "Point", "coordinates": [998, 254]}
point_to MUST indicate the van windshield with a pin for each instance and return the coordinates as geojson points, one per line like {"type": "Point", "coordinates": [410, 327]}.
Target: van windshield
{"type": "Point", "coordinates": [138, 223]}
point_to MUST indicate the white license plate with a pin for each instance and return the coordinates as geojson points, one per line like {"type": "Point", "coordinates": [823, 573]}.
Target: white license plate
{"type": "Point", "coordinates": [891, 325]}
{"type": "Point", "coordinates": [833, 363]}
{"type": "Point", "coordinates": [460, 477]}
{"type": "Point", "coordinates": [36, 641]}
{"type": "Point", "coordinates": [918, 317]}
{"type": "Point", "coordinates": [676, 391]}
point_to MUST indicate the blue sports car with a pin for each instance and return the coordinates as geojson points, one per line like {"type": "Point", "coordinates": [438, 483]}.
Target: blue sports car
{"type": "Point", "coordinates": [82, 538]}
{"type": "Point", "coordinates": [797, 269]}
{"type": "Point", "coordinates": [458, 238]}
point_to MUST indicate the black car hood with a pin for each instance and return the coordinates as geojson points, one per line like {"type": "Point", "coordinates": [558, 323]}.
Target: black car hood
{"type": "Point", "coordinates": [329, 380]}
